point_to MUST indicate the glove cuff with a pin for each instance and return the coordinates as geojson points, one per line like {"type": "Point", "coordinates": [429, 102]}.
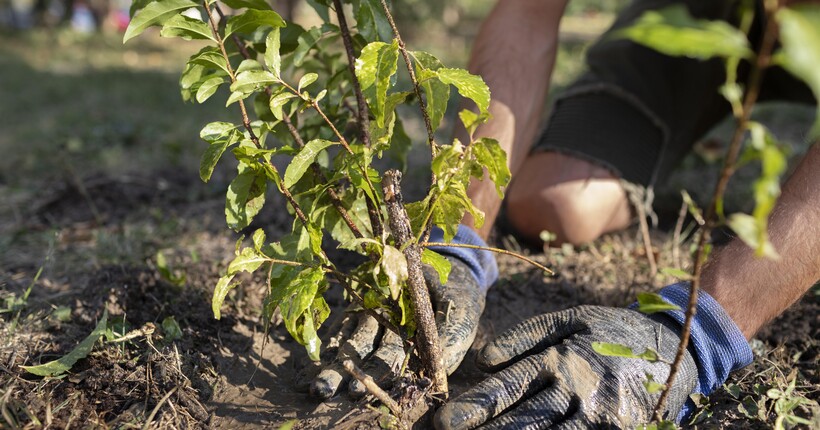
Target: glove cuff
{"type": "Point", "coordinates": [481, 262]}
{"type": "Point", "coordinates": [719, 345]}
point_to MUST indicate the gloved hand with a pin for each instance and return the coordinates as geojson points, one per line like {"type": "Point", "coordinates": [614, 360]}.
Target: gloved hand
{"type": "Point", "coordinates": [379, 352]}
{"type": "Point", "coordinates": [548, 375]}
{"type": "Point", "coordinates": [552, 376]}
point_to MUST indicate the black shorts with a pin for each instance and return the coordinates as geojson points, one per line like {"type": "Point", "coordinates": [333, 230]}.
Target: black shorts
{"type": "Point", "coordinates": [638, 112]}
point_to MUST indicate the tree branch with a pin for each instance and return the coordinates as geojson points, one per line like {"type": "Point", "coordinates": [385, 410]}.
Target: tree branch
{"type": "Point", "coordinates": [763, 60]}
{"type": "Point", "coordinates": [487, 248]}
{"type": "Point", "coordinates": [362, 114]}
{"type": "Point", "coordinates": [428, 344]}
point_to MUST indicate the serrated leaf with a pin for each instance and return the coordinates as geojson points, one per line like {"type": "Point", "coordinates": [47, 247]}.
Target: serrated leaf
{"type": "Point", "coordinates": [450, 208]}
{"type": "Point", "coordinates": [208, 88]}
{"type": "Point", "coordinates": [65, 363]}
{"type": "Point", "coordinates": [272, 57]}
{"type": "Point", "coordinates": [300, 163]}
{"type": "Point", "coordinates": [250, 4]}
{"type": "Point", "coordinates": [155, 13]}
{"type": "Point", "coordinates": [374, 68]}
{"type": "Point", "coordinates": [371, 21]}
{"type": "Point", "coordinates": [210, 56]}
{"type": "Point", "coordinates": [800, 52]}
{"type": "Point", "coordinates": [306, 80]}
{"type": "Point", "coordinates": [673, 31]}
{"type": "Point", "coordinates": [438, 262]}
{"type": "Point", "coordinates": [468, 85]}
{"type": "Point", "coordinates": [436, 93]}
{"type": "Point", "coordinates": [245, 198]}
{"type": "Point", "coordinates": [252, 19]}
{"type": "Point", "coordinates": [248, 260]}
{"type": "Point", "coordinates": [650, 303]}
{"type": "Point", "coordinates": [394, 265]}
{"type": "Point", "coordinates": [305, 42]}
{"type": "Point", "coordinates": [186, 28]}
{"type": "Point", "coordinates": [493, 158]}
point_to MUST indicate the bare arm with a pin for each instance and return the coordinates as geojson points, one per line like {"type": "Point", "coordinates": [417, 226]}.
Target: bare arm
{"type": "Point", "coordinates": [754, 290]}
{"type": "Point", "coordinates": [514, 52]}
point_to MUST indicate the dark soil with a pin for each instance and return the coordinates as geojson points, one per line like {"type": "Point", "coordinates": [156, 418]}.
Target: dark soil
{"type": "Point", "coordinates": [227, 373]}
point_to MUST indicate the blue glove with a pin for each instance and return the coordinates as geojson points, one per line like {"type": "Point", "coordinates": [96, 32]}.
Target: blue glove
{"type": "Point", "coordinates": [481, 263]}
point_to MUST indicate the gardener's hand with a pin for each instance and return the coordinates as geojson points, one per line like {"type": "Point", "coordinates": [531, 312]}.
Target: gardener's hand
{"type": "Point", "coordinates": [458, 305]}
{"type": "Point", "coordinates": [548, 375]}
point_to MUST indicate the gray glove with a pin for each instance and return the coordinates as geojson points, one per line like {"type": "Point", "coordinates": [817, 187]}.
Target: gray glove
{"type": "Point", "coordinates": [552, 377]}
{"type": "Point", "coordinates": [379, 352]}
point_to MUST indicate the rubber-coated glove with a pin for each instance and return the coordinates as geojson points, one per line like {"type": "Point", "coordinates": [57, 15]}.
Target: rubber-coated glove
{"type": "Point", "coordinates": [547, 374]}
{"type": "Point", "coordinates": [379, 352]}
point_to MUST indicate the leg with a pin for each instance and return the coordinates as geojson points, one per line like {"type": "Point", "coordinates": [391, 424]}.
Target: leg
{"type": "Point", "coordinates": [573, 198]}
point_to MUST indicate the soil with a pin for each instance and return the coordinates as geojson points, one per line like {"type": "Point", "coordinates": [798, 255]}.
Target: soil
{"type": "Point", "coordinates": [228, 373]}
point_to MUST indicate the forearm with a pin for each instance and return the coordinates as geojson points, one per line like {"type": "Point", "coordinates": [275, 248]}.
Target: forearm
{"type": "Point", "coordinates": [514, 52]}
{"type": "Point", "coordinates": [755, 290]}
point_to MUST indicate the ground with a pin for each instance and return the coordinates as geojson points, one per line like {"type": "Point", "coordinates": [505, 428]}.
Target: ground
{"type": "Point", "coordinates": [98, 178]}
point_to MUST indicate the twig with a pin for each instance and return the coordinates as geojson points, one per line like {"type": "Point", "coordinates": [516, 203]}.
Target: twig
{"type": "Point", "coordinates": [487, 248]}
{"type": "Point", "coordinates": [428, 344]}
{"type": "Point", "coordinates": [676, 244]}
{"type": "Point", "coordinates": [362, 115]}
{"type": "Point", "coordinates": [422, 104]}
{"type": "Point", "coordinates": [372, 387]}
{"type": "Point", "coordinates": [639, 197]}
{"type": "Point", "coordinates": [767, 44]}
{"type": "Point", "coordinates": [156, 408]}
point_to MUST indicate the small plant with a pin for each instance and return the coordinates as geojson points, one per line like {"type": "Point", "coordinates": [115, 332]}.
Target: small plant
{"type": "Point", "coordinates": [325, 99]}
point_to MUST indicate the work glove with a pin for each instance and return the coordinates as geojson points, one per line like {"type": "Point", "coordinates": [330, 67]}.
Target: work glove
{"type": "Point", "coordinates": [547, 374]}
{"type": "Point", "coordinates": [379, 352]}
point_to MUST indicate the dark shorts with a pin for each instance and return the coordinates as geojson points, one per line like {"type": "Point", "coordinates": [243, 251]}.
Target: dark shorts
{"type": "Point", "coordinates": [638, 112]}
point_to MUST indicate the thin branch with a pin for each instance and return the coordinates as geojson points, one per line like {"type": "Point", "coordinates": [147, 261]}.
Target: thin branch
{"type": "Point", "coordinates": [362, 115]}
{"type": "Point", "coordinates": [487, 248]}
{"type": "Point", "coordinates": [372, 387]}
{"type": "Point", "coordinates": [422, 104]}
{"type": "Point", "coordinates": [676, 243]}
{"type": "Point", "coordinates": [763, 60]}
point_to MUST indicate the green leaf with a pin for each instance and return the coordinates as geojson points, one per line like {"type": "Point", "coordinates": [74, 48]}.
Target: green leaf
{"type": "Point", "coordinates": [394, 265]}
{"type": "Point", "coordinates": [436, 93]}
{"type": "Point", "coordinates": [208, 88]}
{"type": "Point", "coordinates": [306, 80]}
{"type": "Point", "coordinates": [170, 329]}
{"type": "Point", "coordinates": [186, 28]}
{"type": "Point", "coordinates": [210, 56]}
{"type": "Point", "coordinates": [300, 163]}
{"type": "Point", "coordinates": [249, 65]}
{"type": "Point", "coordinates": [155, 13]}
{"type": "Point", "coordinates": [468, 85]}
{"type": "Point", "coordinates": [371, 21]}
{"type": "Point", "coordinates": [438, 262]}
{"type": "Point", "coordinates": [375, 67]}
{"type": "Point", "coordinates": [672, 31]}
{"type": "Point", "coordinates": [450, 208]}
{"type": "Point", "coordinates": [278, 101]}
{"type": "Point", "coordinates": [252, 19]}
{"type": "Point", "coordinates": [306, 41]}
{"type": "Point", "coordinates": [252, 80]}
{"type": "Point", "coordinates": [677, 273]}
{"type": "Point", "coordinates": [753, 234]}
{"type": "Point", "coordinates": [649, 303]}
{"type": "Point", "coordinates": [613, 349]}
{"type": "Point", "coordinates": [247, 261]}
{"type": "Point", "coordinates": [220, 136]}
{"type": "Point", "coordinates": [800, 52]}
{"type": "Point", "coordinates": [651, 386]}
{"type": "Point", "coordinates": [223, 287]}
{"type": "Point", "coordinates": [250, 4]}
{"type": "Point", "coordinates": [272, 56]}
{"type": "Point", "coordinates": [245, 198]}
{"type": "Point", "coordinates": [490, 155]}
{"type": "Point", "coordinates": [63, 364]}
